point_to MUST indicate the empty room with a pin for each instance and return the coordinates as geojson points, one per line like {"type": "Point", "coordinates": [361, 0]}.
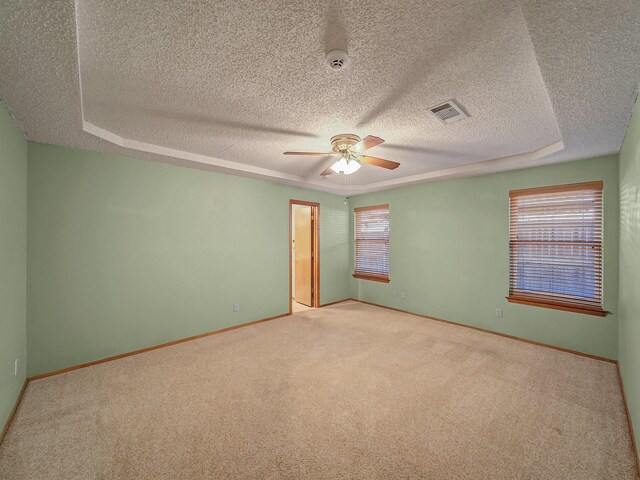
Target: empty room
{"type": "Point", "coordinates": [328, 239]}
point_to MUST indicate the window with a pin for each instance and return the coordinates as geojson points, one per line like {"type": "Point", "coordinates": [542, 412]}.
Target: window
{"type": "Point", "coordinates": [372, 243]}
{"type": "Point", "coordinates": [555, 242]}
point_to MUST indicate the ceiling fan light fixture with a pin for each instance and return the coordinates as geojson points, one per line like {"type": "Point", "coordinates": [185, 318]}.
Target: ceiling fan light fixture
{"type": "Point", "coordinates": [349, 147]}
{"type": "Point", "coordinates": [345, 166]}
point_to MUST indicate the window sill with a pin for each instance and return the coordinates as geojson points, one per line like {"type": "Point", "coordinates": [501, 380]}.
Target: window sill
{"type": "Point", "coordinates": [374, 278]}
{"type": "Point", "coordinates": [569, 307]}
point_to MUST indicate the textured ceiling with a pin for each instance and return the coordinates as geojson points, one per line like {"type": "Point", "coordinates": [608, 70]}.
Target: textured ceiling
{"type": "Point", "coordinates": [229, 85]}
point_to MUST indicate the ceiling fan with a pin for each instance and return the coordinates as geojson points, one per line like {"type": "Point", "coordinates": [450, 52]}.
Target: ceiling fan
{"type": "Point", "coordinates": [349, 147]}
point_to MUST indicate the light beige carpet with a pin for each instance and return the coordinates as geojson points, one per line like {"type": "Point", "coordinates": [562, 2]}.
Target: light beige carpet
{"type": "Point", "coordinates": [299, 307]}
{"type": "Point", "coordinates": [344, 392]}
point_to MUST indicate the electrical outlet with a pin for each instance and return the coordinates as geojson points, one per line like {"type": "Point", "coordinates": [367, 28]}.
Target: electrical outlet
{"type": "Point", "coordinates": [393, 292]}
{"type": "Point", "coordinates": [402, 295]}
{"type": "Point", "coordinates": [498, 312]}
{"type": "Point", "coordinates": [15, 368]}
{"type": "Point", "coordinates": [236, 307]}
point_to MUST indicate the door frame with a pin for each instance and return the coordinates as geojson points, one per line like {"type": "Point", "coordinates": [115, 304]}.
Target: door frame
{"type": "Point", "coordinates": [315, 252]}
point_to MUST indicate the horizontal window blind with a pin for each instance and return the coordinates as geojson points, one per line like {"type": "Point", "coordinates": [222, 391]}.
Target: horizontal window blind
{"type": "Point", "coordinates": [372, 241]}
{"type": "Point", "coordinates": [555, 239]}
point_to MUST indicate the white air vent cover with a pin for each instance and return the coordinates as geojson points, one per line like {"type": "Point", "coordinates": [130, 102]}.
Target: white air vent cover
{"type": "Point", "coordinates": [448, 112]}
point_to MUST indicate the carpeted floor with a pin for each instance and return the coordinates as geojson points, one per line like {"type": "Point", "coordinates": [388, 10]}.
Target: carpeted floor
{"type": "Point", "coordinates": [344, 392]}
{"type": "Point", "coordinates": [299, 307]}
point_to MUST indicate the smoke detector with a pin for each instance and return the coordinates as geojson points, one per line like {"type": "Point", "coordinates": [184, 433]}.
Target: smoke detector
{"type": "Point", "coordinates": [448, 112]}
{"type": "Point", "coordinates": [337, 59]}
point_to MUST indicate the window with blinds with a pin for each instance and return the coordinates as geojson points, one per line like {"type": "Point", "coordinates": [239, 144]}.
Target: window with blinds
{"type": "Point", "coordinates": [555, 241]}
{"type": "Point", "coordinates": [372, 243]}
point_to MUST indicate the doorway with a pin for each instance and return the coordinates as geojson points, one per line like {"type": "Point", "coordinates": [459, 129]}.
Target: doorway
{"type": "Point", "coordinates": [304, 260]}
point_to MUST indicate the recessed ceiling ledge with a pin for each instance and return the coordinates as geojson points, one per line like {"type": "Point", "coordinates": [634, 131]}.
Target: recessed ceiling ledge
{"type": "Point", "coordinates": [477, 168]}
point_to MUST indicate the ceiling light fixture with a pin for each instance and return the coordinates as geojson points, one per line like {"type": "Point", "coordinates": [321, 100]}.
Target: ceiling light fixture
{"type": "Point", "coordinates": [346, 166]}
{"type": "Point", "coordinates": [349, 148]}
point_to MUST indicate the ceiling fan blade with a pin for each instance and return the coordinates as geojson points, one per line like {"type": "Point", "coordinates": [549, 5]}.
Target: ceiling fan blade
{"type": "Point", "coordinates": [316, 154]}
{"type": "Point", "coordinates": [379, 162]}
{"type": "Point", "coordinates": [327, 171]}
{"type": "Point", "coordinates": [366, 143]}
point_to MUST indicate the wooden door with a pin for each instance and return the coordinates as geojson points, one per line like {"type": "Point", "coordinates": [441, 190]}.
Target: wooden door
{"type": "Point", "coordinates": [303, 258]}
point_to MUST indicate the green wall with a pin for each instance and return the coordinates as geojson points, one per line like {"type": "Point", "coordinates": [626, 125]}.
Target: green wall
{"type": "Point", "coordinates": [449, 252]}
{"type": "Point", "coordinates": [125, 253]}
{"type": "Point", "coordinates": [13, 262]}
{"type": "Point", "coordinates": [629, 307]}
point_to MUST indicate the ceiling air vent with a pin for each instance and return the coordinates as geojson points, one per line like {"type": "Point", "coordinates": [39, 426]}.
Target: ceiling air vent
{"type": "Point", "coordinates": [448, 112]}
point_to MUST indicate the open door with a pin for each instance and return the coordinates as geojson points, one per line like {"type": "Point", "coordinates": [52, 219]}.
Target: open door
{"type": "Point", "coordinates": [304, 260]}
